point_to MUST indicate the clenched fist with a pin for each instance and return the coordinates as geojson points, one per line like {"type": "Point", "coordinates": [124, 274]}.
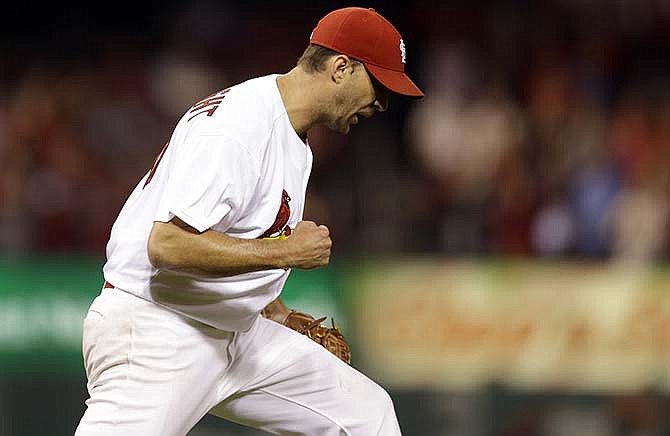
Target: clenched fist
{"type": "Point", "coordinates": [309, 246]}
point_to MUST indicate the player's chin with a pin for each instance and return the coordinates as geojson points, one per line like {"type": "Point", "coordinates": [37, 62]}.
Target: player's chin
{"type": "Point", "coordinates": [346, 124]}
{"type": "Point", "coordinates": [340, 125]}
{"type": "Point", "coordinates": [342, 128]}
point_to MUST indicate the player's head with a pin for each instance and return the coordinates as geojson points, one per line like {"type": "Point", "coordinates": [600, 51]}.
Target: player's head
{"type": "Point", "coordinates": [363, 57]}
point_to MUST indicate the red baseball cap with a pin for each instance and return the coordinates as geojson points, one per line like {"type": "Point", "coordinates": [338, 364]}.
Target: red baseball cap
{"type": "Point", "coordinates": [366, 36]}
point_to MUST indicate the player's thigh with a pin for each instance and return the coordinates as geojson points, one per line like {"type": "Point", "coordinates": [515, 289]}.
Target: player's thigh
{"type": "Point", "coordinates": [149, 373]}
{"type": "Point", "coordinates": [307, 391]}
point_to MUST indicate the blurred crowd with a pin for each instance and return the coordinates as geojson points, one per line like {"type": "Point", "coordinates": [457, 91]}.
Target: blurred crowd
{"type": "Point", "coordinates": [549, 136]}
{"type": "Point", "coordinates": [545, 130]}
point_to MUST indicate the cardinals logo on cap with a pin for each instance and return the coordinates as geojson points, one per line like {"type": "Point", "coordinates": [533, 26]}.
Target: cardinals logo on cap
{"type": "Point", "coordinates": [279, 229]}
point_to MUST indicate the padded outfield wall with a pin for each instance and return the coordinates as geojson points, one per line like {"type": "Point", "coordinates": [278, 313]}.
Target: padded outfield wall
{"type": "Point", "coordinates": [448, 338]}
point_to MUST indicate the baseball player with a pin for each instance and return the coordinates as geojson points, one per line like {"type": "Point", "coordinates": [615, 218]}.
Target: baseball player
{"type": "Point", "coordinates": [205, 243]}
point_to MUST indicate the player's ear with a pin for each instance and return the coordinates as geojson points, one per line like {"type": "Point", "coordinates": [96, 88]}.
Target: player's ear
{"type": "Point", "coordinates": [338, 66]}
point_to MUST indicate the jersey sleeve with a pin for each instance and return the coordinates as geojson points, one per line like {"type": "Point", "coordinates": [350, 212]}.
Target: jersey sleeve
{"type": "Point", "coordinates": [209, 181]}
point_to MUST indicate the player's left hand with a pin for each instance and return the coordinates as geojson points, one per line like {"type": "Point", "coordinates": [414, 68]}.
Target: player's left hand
{"type": "Point", "coordinates": [331, 338]}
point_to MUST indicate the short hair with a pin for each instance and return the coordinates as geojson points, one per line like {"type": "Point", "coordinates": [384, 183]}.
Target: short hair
{"type": "Point", "coordinates": [313, 59]}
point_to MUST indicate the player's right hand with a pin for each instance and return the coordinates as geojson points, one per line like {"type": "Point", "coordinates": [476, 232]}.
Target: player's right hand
{"type": "Point", "coordinates": [309, 246]}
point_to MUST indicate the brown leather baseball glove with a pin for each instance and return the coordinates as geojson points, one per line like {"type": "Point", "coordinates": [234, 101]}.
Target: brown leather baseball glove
{"type": "Point", "coordinates": [331, 338]}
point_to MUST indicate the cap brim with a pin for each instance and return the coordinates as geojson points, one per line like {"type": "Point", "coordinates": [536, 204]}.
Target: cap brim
{"type": "Point", "coordinates": [395, 81]}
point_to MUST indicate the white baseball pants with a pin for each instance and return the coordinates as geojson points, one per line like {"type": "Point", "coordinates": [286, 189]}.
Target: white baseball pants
{"type": "Point", "coordinates": [153, 372]}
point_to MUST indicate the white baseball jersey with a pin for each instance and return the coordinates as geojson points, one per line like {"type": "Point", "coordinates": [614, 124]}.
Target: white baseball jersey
{"type": "Point", "coordinates": [234, 164]}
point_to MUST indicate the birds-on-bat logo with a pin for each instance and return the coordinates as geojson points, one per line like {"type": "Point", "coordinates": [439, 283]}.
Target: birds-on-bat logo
{"type": "Point", "coordinates": [279, 229]}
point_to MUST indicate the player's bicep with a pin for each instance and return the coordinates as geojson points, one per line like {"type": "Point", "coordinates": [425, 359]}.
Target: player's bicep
{"type": "Point", "coordinates": [207, 184]}
{"type": "Point", "coordinates": [163, 236]}
{"type": "Point", "coordinates": [169, 242]}
{"type": "Point", "coordinates": [184, 226]}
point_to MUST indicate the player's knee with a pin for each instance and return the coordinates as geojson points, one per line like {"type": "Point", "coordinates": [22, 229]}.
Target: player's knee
{"type": "Point", "coordinates": [380, 412]}
{"type": "Point", "coordinates": [385, 403]}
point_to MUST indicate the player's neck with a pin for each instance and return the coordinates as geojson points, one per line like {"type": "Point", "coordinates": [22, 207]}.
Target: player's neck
{"type": "Point", "coordinates": [299, 92]}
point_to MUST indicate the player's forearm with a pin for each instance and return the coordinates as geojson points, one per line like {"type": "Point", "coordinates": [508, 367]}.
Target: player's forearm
{"type": "Point", "coordinates": [212, 253]}
{"type": "Point", "coordinates": [276, 311]}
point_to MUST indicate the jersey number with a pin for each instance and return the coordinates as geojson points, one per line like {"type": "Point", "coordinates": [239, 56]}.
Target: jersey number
{"type": "Point", "coordinates": [155, 166]}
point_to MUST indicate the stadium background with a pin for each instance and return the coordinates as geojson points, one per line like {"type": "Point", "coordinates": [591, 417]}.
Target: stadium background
{"type": "Point", "coordinates": [501, 247]}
